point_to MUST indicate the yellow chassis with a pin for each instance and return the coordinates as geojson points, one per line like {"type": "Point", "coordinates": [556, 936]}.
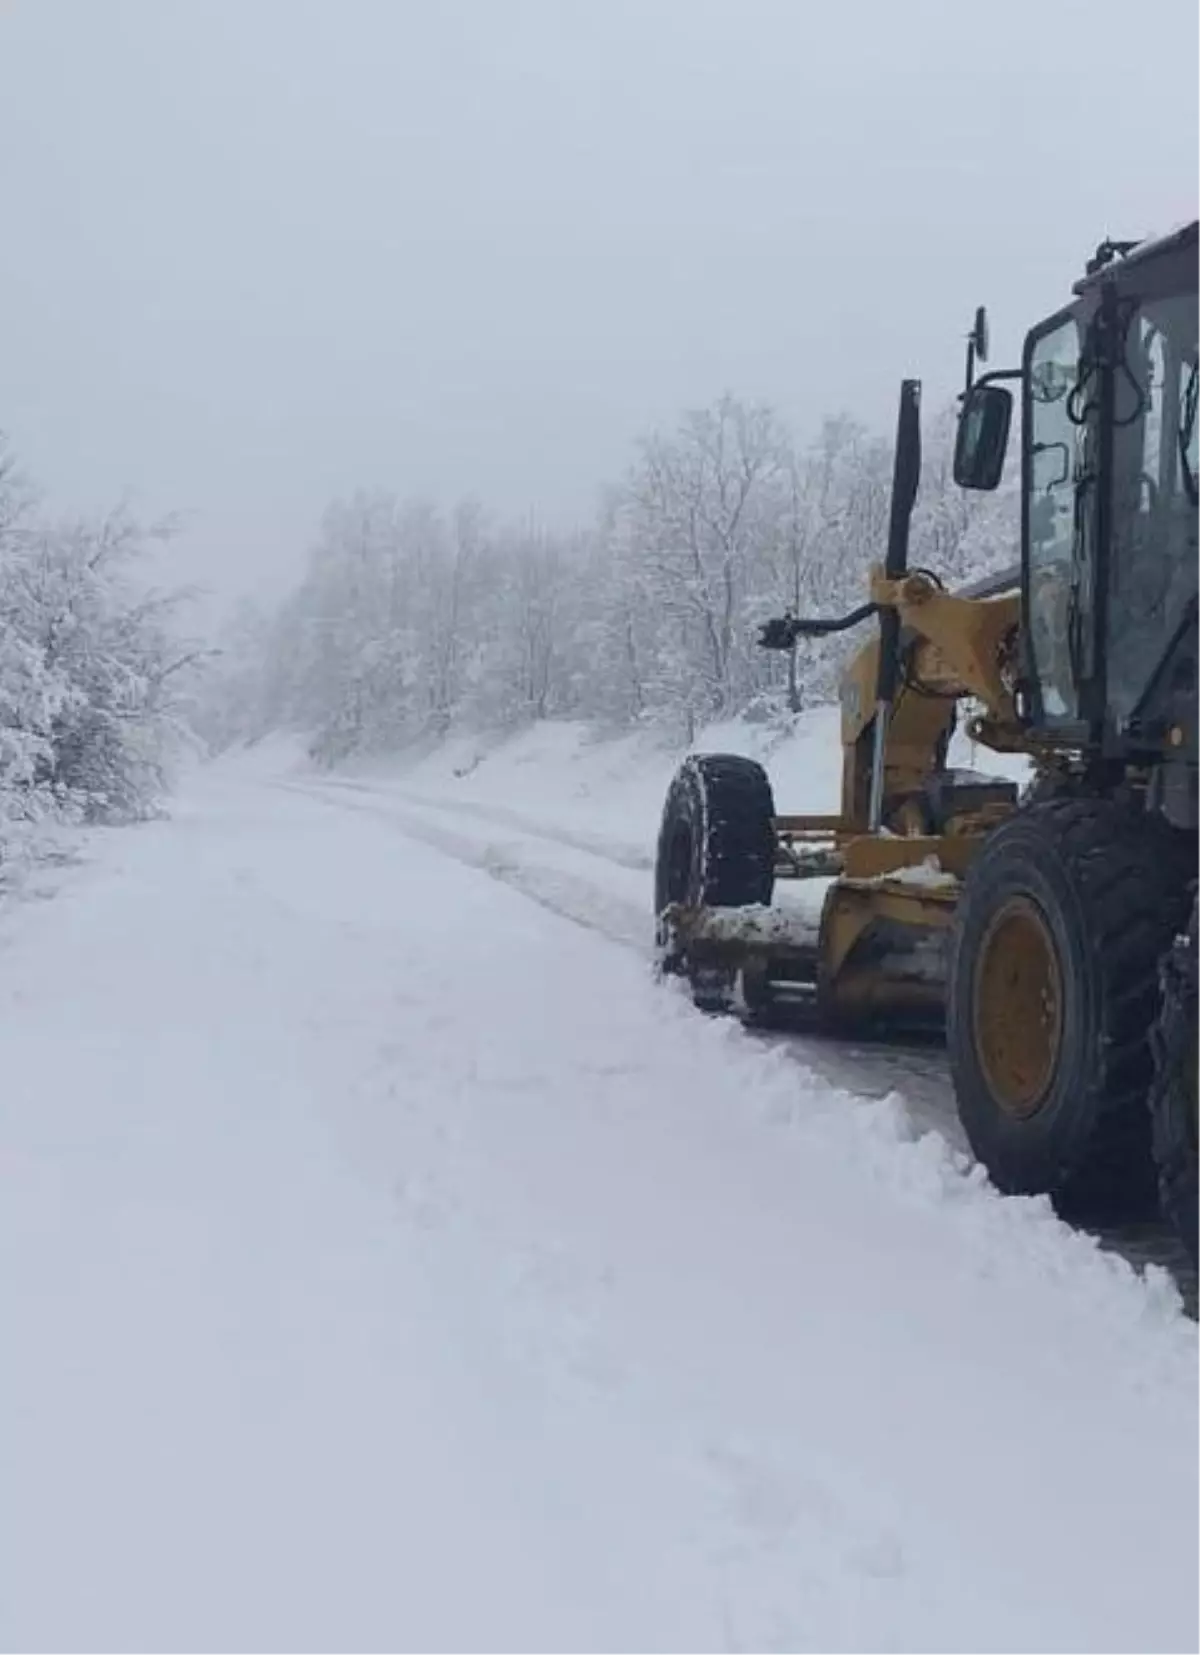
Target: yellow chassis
{"type": "Point", "coordinates": [879, 953]}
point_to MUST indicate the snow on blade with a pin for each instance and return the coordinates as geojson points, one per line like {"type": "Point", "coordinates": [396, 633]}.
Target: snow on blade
{"type": "Point", "coordinates": [756, 922]}
{"type": "Point", "coordinates": [926, 875]}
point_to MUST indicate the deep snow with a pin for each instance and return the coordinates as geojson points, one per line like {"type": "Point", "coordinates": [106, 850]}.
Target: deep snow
{"type": "Point", "coordinates": [388, 1263]}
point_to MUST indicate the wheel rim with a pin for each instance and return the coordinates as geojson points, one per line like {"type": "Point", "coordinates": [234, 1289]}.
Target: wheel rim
{"type": "Point", "coordinates": [1018, 1008]}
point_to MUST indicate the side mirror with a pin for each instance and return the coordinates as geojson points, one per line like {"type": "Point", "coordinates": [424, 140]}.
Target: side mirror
{"type": "Point", "coordinates": [982, 440]}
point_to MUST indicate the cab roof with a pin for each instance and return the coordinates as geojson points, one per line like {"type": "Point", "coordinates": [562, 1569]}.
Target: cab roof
{"type": "Point", "coordinates": [1177, 241]}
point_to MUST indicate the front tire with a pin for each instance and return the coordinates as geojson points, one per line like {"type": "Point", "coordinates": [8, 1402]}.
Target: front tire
{"type": "Point", "coordinates": [1054, 984]}
{"type": "Point", "coordinates": [716, 849]}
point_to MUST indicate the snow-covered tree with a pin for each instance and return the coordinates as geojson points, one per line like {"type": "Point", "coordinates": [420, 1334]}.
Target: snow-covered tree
{"type": "Point", "coordinates": [93, 672]}
{"type": "Point", "coordinates": [117, 648]}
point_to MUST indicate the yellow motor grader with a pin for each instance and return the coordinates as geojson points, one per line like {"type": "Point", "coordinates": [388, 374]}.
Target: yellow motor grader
{"type": "Point", "coordinates": [1051, 933]}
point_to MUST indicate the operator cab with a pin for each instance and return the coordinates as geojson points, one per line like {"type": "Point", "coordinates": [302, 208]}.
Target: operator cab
{"type": "Point", "coordinates": [1109, 463]}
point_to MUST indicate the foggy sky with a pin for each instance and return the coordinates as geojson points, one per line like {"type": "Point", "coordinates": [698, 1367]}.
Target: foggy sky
{"type": "Point", "coordinates": [257, 252]}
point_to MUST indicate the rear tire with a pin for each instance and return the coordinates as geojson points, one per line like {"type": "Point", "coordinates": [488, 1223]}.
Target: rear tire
{"type": "Point", "coordinates": [1065, 916]}
{"type": "Point", "coordinates": [1173, 1100]}
{"type": "Point", "coordinates": [716, 849]}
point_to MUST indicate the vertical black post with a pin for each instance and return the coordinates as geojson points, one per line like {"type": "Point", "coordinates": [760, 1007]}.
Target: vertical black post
{"type": "Point", "coordinates": [977, 346]}
{"type": "Point", "coordinates": [906, 474]}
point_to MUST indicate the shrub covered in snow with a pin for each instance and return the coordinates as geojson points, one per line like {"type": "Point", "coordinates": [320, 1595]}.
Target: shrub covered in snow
{"type": "Point", "coordinates": [91, 669]}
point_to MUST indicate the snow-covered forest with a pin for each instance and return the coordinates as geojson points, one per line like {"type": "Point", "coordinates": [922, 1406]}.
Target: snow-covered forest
{"type": "Point", "coordinates": [96, 676]}
{"type": "Point", "coordinates": [411, 620]}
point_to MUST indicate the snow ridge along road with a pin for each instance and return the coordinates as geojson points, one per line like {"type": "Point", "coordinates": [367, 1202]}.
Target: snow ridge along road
{"type": "Point", "coordinates": [386, 1264]}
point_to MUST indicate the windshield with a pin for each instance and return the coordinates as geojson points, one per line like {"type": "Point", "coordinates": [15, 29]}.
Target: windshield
{"type": "Point", "coordinates": [1154, 550]}
{"type": "Point", "coordinates": [1055, 464]}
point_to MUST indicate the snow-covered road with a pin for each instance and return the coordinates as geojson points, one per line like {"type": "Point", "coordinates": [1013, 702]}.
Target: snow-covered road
{"type": "Point", "coordinates": [597, 876]}
{"type": "Point", "coordinates": [385, 1263]}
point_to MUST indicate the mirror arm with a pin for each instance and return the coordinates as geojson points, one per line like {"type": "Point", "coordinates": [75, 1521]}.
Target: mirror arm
{"type": "Point", "coordinates": [785, 632]}
{"type": "Point", "coordinates": [997, 374]}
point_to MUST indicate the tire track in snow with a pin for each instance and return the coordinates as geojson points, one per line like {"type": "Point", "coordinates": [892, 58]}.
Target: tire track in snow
{"type": "Point", "coordinates": [915, 1070]}
{"type": "Point", "coordinates": [606, 850]}
{"type": "Point", "coordinates": [916, 1073]}
{"type": "Point", "coordinates": [565, 891]}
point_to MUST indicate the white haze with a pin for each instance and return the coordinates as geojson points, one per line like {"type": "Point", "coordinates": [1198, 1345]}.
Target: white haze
{"type": "Point", "coordinates": [258, 252]}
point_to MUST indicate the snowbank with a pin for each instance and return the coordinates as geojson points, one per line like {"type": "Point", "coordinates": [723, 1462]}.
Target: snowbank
{"type": "Point", "coordinates": [569, 775]}
{"type": "Point", "coordinates": [613, 787]}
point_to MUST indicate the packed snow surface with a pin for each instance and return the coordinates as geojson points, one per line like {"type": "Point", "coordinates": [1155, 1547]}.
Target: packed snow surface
{"type": "Point", "coordinates": [387, 1263]}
